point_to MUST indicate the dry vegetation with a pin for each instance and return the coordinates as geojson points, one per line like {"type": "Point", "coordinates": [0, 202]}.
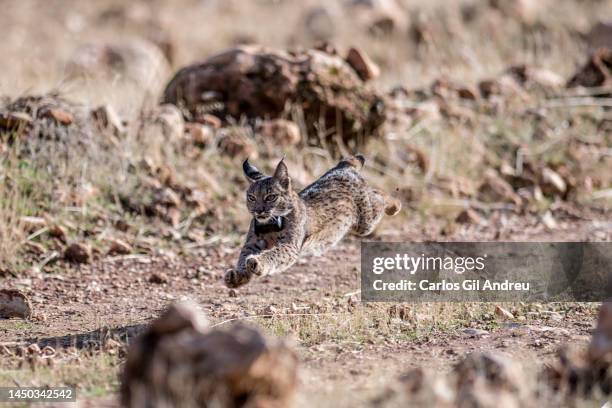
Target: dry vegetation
{"type": "Point", "coordinates": [106, 196]}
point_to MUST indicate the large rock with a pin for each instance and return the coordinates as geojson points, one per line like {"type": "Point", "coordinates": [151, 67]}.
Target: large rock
{"type": "Point", "coordinates": [178, 362]}
{"type": "Point", "coordinates": [260, 83]}
{"type": "Point", "coordinates": [596, 72]}
{"type": "Point", "coordinates": [318, 23]}
{"type": "Point", "coordinates": [600, 36]}
{"type": "Point", "coordinates": [585, 372]}
{"type": "Point", "coordinates": [13, 303]}
{"type": "Point", "coordinates": [600, 349]}
{"type": "Point", "coordinates": [48, 116]}
{"type": "Point", "coordinates": [135, 61]}
{"type": "Point", "coordinates": [488, 380]}
{"type": "Point", "coordinates": [78, 252]}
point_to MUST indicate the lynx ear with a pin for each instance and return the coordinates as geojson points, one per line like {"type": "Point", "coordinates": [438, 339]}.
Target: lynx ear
{"type": "Point", "coordinates": [251, 172]}
{"type": "Point", "coordinates": [282, 174]}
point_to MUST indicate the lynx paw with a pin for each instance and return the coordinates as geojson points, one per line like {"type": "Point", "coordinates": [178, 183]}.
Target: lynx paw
{"type": "Point", "coordinates": [234, 278]}
{"type": "Point", "coordinates": [254, 266]}
{"type": "Point", "coordinates": [392, 206]}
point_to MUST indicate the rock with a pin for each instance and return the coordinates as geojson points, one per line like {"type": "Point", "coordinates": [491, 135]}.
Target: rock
{"type": "Point", "coordinates": [469, 216]}
{"type": "Point", "coordinates": [600, 348]}
{"type": "Point", "coordinates": [319, 24]}
{"type": "Point", "coordinates": [164, 40]}
{"type": "Point", "coordinates": [270, 310]}
{"type": "Point", "coordinates": [107, 118]}
{"type": "Point", "coordinates": [425, 30]}
{"type": "Point", "coordinates": [380, 17]}
{"type": "Point", "coordinates": [281, 132]}
{"type": "Point", "coordinates": [166, 120]}
{"type": "Point", "coordinates": [180, 316]}
{"type": "Point", "coordinates": [489, 87]}
{"type": "Point", "coordinates": [495, 189]}
{"type": "Point", "coordinates": [549, 220]}
{"type": "Point", "coordinates": [586, 373]}
{"type": "Point", "coordinates": [167, 197]}
{"type": "Point", "coordinates": [78, 253]}
{"type": "Point", "coordinates": [569, 372]}
{"type": "Point", "coordinates": [468, 92]}
{"type": "Point", "coordinates": [200, 135]}
{"type": "Point", "coordinates": [210, 120]}
{"type": "Point", "coordinates": [158, 278]}
{"type": "Point", "coordinates": [365, 68]}
{"type": "Point", "coordinates": [600, 36]}
{"type": "Point", "coordinates": [256, 82]}
{"type": "Point", "coordinates": [444, 88]}
{"type": "Point", "coordinates": [33, 348]}
{"type": "Point", "coordinates": [475, 332]}
{"type": "Point", "coordinates": [58, 115]}
{"type": "Point", "coordinates": [493, 370]}
{"type": "Point", "coordinates": [503, 313]}
{"type": "Point", "coordinates": [529, 76]}
{"type": "Point", "coordinates": [34, 113]}
{"type": "Point", "coordinates": [130, 61]}
{"type": "Point", "coordinates": [235, 143]}
{"type": "Point", "coordinates": [423, 387]}
{"type": "Point", "coordinates": [14, 303]}
{"type": "Point", "coordinates": [505, 86]}
{"type": "Point", "coordinates": [178, 362]}
{"type": "Point", "coordinates": [59, 232]}
{"type": "Point", "coordinates": [31, 224]}
{"type": "Point", "coordinates": [119, 247]}
{"type": "Point", "coordinates": [596, 72]}
{"type": "Point", "coordinates": [551, 179]}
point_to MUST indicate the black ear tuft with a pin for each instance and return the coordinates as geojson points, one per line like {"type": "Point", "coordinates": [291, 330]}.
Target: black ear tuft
{"type": "Point", "coordinates": [251, 172]}
{"type": "Point", "coordinates": [282, 174]}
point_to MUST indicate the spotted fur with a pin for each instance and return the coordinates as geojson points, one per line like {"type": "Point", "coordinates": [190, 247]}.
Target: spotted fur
{"type": "Point", "coordinates": [287, 225]}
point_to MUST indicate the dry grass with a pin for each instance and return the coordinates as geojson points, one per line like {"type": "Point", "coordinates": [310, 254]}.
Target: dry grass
{"type": "Point", "coordinates": [95, 374]}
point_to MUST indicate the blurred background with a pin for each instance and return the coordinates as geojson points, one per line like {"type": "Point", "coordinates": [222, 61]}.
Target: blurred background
{"type": "Point", "coordinates": [414, 42]}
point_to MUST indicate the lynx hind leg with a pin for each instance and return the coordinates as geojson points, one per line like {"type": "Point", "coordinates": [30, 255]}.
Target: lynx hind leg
{"type": "Point", "coordinates": [318, 243]}
{"type": "Point", "coordinates": [370, 213]}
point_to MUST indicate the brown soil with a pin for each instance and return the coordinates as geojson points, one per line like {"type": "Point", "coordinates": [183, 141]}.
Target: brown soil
{"type": "Point", "coordinates": [120, 296]}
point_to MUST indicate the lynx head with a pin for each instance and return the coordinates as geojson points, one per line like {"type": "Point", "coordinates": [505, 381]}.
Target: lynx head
{"type": "Point", "coordinates": [268, 198]}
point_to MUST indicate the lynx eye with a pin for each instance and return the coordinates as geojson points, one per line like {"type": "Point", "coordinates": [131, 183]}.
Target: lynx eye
{"type": "Point", "coordinates": [251, 197]}
{"type": "Point", "coordinates": [271, 197]}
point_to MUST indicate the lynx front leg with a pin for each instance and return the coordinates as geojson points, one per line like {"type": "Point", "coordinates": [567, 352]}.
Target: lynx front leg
{"type": "Point", "coordinates": [240, 275]}
{"type": "Point", "coordinates": [273, 260]}
{"type": "Point", "coordinates": [235, 278]}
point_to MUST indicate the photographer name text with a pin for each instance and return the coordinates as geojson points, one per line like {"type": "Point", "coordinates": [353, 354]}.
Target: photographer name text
{"type": "Point", "coordinates": [467, 285]}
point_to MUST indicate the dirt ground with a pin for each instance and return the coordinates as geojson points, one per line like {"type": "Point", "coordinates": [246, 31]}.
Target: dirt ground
{"type": "Point", "coordinates": [85, 306]}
